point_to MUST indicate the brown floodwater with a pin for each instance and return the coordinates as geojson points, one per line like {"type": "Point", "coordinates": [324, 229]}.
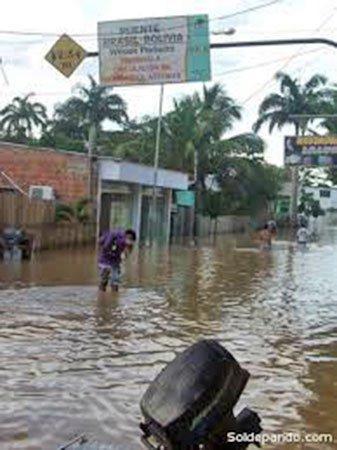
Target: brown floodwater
{"type": "Point", "coordinates": [72, 362]}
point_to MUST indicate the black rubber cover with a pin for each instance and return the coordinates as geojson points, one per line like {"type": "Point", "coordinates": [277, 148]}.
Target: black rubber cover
{"type": "Point", "coordinates": [191, 384]}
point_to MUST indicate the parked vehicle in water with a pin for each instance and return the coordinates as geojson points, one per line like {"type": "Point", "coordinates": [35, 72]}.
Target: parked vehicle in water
{"type": "Point", "coordinates": [15, 243]}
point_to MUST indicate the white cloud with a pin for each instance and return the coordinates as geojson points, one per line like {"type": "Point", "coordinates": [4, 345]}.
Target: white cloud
{"type": "Point", "coordinates": [29, 72]}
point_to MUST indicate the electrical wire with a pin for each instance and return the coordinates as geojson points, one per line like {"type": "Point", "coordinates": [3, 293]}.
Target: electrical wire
{"type": "Point", "coordinates": [247, 10]}
{"type": "Point", "coordinates": [219, 75]}
{"type": "Point", "coordinates": [101, 36]}
{"type": "Point", "coordinates": [271, 79]}
{"type": "Point", "coordinates": [265, 63]}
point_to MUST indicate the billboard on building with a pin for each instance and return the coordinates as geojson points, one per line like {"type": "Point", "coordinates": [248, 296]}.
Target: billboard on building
{"type": "Point", "coordinates": [154, 51]}
{"type": "Point", "coordinates": [311, 151]}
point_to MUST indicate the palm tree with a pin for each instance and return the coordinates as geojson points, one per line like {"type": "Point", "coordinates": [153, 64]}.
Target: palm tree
{"type": "Point", "coordinates": [196, 124]}
{"type": "Point", "coordinates": [195, 132]}
{"type": "Point", "coordinates": [91, 107]}
{"type": "Point", "coordinates": [330, 124]}
{"type": "Point", "coordinates": [192, 134]}
{"type": "Point", "coordinates": [278, 110]}
{"type": "Point", "coordinates": [19, 118]}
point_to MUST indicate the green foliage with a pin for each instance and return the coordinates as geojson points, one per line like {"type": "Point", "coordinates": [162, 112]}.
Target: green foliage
{"type": "Point", "coordinates": [331, 174]}
{"type": "Point", "coordinates": [214, 204]}
{"type": "Point", "coordinates": [188, 134]}
{"type": "Point", "coordinates": [19, 119]}
{"type": "Point", "coordinates": [248, 185]}
{"type": "Point", "coordinates": [309, 206]}
{"type": "Point", "coordinates": [61, 141]}
{"type": "Point", "coordinates": [194, 139]}
{"type": "Point", "coordinates": [77, 213]}
{"type": "Point", "coordinates": [313, 177]}
{"type": "Point", "coordinates": [91, 106]}
{"type": "Point", "coordinates": [278, 108]}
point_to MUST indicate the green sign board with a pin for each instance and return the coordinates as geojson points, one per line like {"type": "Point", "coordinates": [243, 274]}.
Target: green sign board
{"type": "Point", "coordinates": [185, 198]}
{"type": "Point", "coordinates": [156, 50]}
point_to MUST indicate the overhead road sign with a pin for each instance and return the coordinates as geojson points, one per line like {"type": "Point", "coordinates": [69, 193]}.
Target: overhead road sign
{"type": "Point", "coordinates": [154, 51]}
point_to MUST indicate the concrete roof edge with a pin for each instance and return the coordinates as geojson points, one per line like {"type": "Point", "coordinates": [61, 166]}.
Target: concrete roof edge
{"type": "Point", "coordinates": [109, 158]}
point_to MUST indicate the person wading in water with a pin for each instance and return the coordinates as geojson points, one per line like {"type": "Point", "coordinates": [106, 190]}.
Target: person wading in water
{"type": "Point", "coordinates": [112, 246]}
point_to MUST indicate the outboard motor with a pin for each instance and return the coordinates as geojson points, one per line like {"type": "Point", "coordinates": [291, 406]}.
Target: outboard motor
{"type": "Point", "coordinates": [189, 405]}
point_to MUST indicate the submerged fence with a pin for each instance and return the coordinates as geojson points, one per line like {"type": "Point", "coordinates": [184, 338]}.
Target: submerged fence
{"type": "Point", "coordinates": [37, 218]}
{"type": "Point", "coordinates": [61, 235]}
{"type": "Point", "coordinates": [19, 210]}
{"type": "Point", "coordinates": [222, 225]}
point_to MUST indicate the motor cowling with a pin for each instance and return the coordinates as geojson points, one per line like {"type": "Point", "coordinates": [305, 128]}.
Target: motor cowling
{"type": "Point", "coordinates": [190, 403]}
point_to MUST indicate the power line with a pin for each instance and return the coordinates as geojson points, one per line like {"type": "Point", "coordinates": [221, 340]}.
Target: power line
{"type": "Point", "coordinates": [288, 61]}
{"type": "Point", "coordinates": [264, 63]}
{"type": "Point", "coordinates": [237, 70]}
{"type": "Point", "coordinates": [54, 34]}
{"type": "Point", "coordinates": [244, 11]}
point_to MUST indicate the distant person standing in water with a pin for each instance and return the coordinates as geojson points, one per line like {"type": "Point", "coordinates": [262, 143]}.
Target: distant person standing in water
{"type": "Point", "coordinates": [302, 236]}
{"type": "Point", "coordinates": [112, 246]}
{"type": "Point", "coordinates": [265, 238]}
{"type": "Point", "coordinates": [272, 226]}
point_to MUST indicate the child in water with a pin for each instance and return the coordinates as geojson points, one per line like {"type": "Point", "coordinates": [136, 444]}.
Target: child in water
{"type": "Point", "coordinates": [113, 245]}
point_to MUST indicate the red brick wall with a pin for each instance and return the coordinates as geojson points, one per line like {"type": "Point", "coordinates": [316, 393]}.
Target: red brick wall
{"type": "Point", "coordinates": [66, 172]}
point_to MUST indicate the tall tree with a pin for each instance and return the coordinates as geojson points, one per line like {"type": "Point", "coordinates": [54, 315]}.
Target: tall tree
{"type": "Point", "coordinates": [82, 115]}
{"type": "Point", "coordinates": [19, 119]}
{"type": "Point", "coordinates": [330, 126]}
{"type": "Point", "coordinates": [192, 134]}
{"type": "Point", "coordinates": [278, 110]}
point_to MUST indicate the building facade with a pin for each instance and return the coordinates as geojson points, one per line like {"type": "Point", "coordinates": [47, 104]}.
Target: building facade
{"type": "Point", "coordinates": [327, 196]}
{"type": "Point", "coordinates": [125, 197]}
{"type": "Point", "coordinates": [124, 189]}
{"type": "Point", "coordinates": [65, 173]}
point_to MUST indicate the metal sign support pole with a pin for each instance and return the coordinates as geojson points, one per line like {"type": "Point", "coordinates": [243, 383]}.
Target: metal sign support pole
{"type": "Point", "coordinates": [153, 228]}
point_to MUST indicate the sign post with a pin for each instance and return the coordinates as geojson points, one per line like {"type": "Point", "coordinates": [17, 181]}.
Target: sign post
{"type": "Point", "coordinates": [153, 215]}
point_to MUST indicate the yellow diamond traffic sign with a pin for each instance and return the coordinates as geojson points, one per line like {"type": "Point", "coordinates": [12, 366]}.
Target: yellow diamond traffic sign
{"type": "Point", "coordinates": [66, 55]}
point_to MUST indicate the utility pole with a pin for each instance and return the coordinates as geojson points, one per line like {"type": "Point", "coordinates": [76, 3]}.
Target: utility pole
{"type": "Point", "coordinates": [153, 209]}
{"type": "Point", "coordinates": [3, 71]}
{"type": "Point", "coordinates": [92, 169]}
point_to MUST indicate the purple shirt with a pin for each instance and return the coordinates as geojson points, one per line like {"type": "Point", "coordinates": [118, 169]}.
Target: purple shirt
{"type": "Point", "coordinates": [112, 244]}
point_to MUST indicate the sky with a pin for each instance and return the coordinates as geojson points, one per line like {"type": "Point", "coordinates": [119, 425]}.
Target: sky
{"type": "Point", "coordinates": [27, 71]}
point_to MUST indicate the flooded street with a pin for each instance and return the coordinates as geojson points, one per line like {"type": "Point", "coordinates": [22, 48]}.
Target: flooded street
{"type": "Point", "coordinates": [71, 362]}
